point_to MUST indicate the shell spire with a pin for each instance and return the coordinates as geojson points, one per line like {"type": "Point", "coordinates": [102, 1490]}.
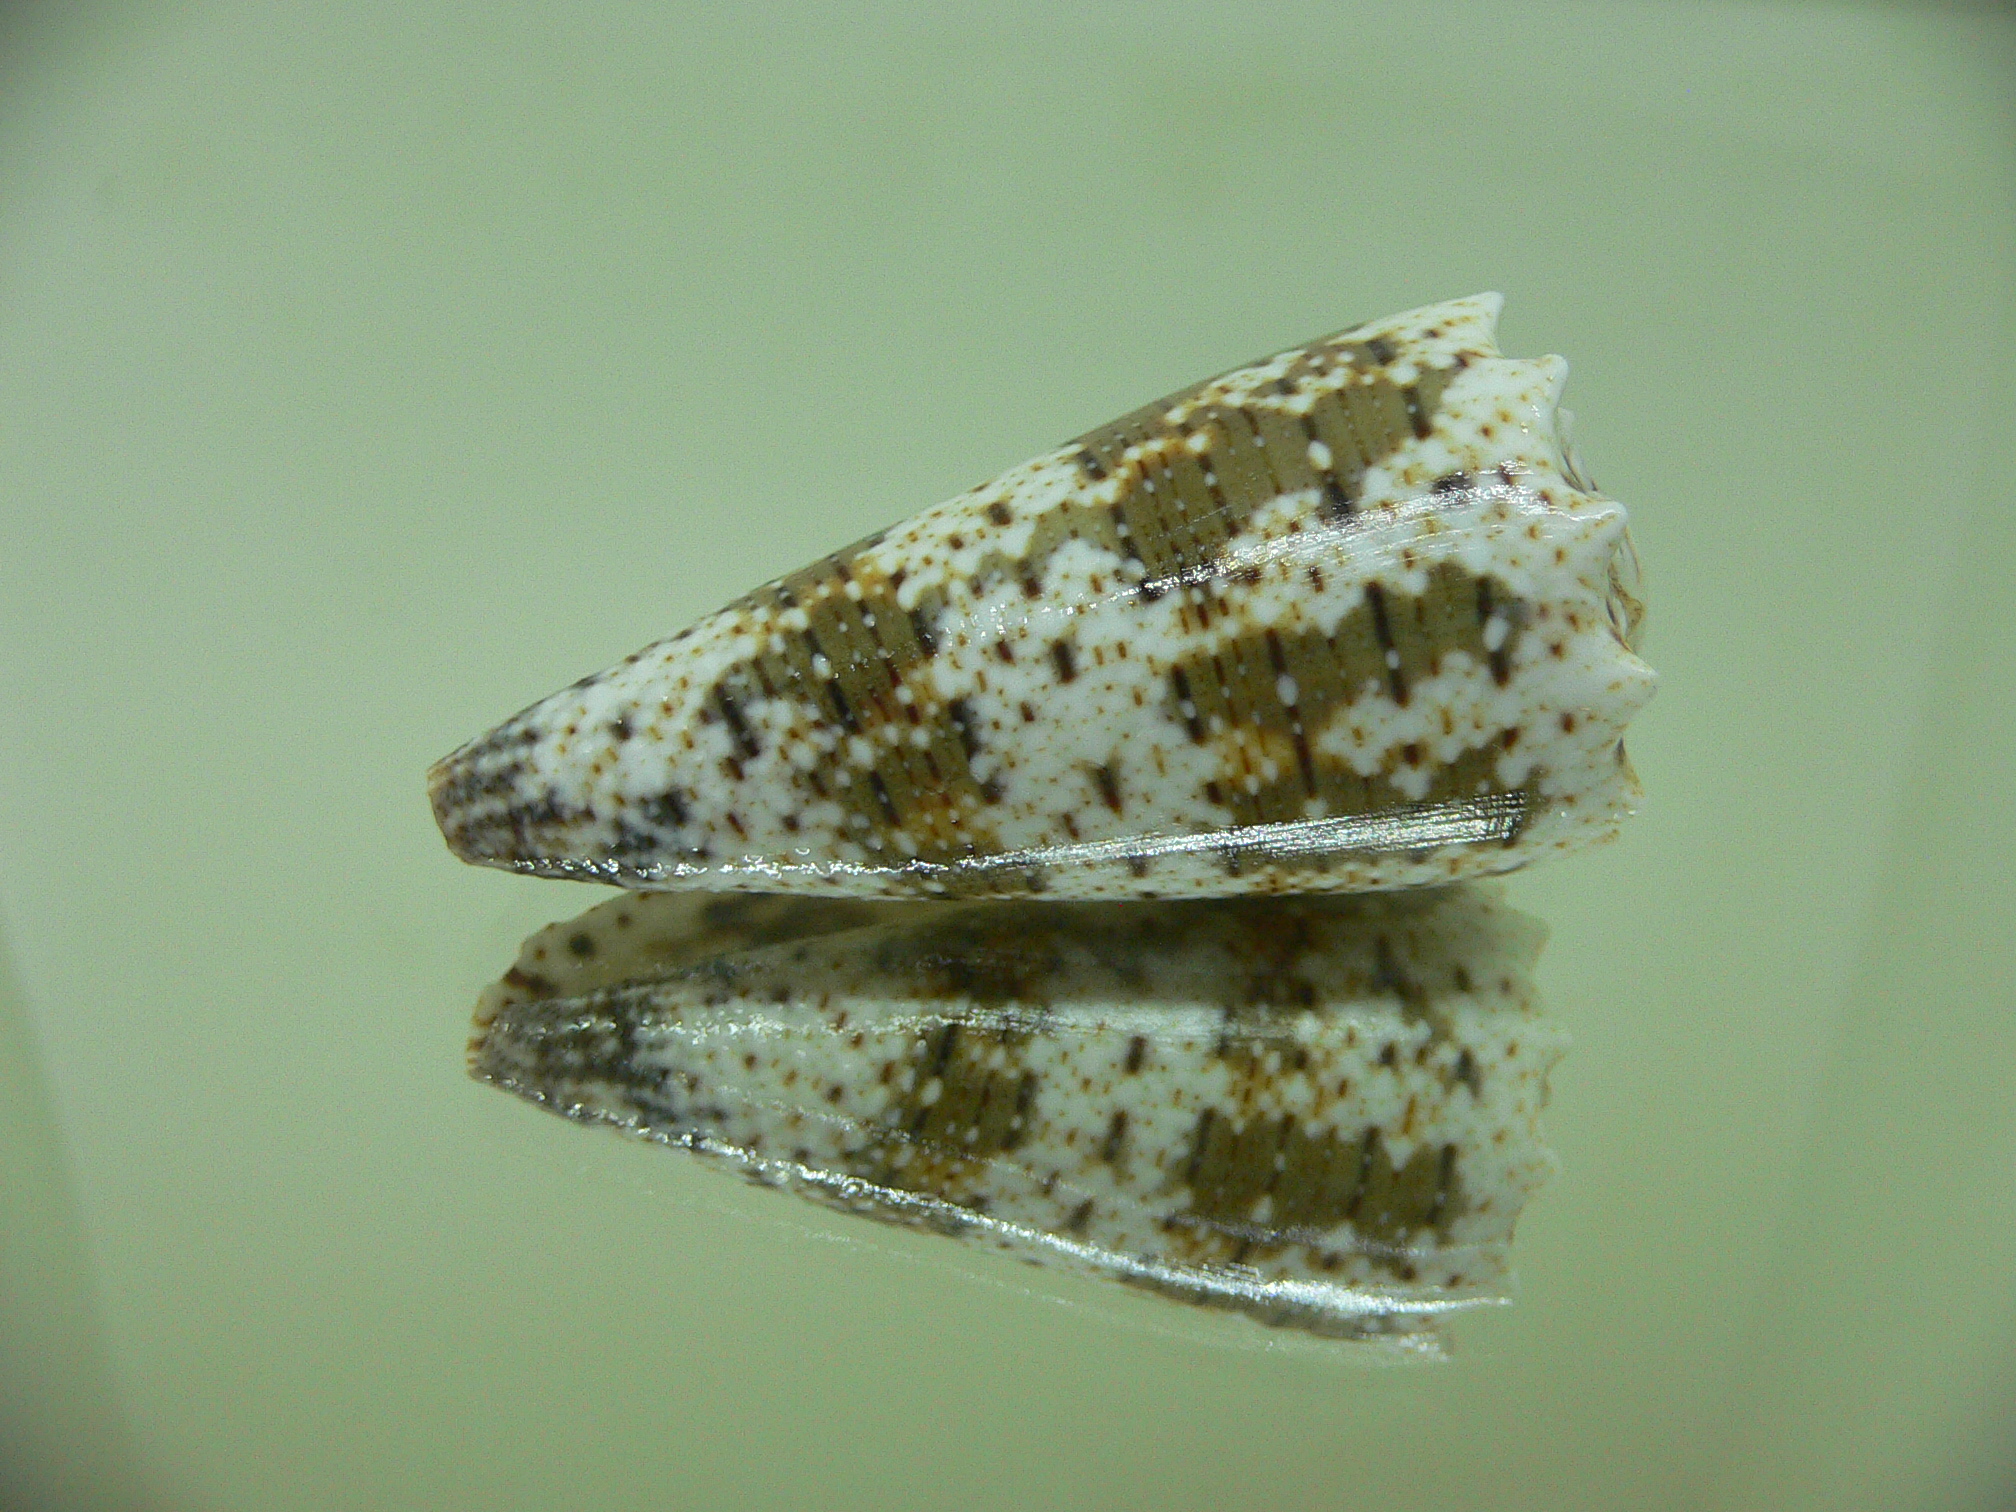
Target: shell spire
{"type": "Point", "coordinates": [1347, 618]}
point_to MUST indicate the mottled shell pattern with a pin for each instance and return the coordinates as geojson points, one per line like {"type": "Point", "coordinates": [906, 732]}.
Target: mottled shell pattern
{"type": "Point", "coordinates": [1318, 1111]}
{"type": "Point", "coordinates": [1209, 680]}
{"type": "Point", "coordinates": [1349, 618]}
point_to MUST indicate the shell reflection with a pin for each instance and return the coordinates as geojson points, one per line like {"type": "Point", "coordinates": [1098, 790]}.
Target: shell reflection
{"type": "Point", "coordinates": [1320, 1111]}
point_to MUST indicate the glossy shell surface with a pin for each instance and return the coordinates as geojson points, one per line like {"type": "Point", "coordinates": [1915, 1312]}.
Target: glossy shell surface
{"type": "Point", "coordinates": [1349, 618]}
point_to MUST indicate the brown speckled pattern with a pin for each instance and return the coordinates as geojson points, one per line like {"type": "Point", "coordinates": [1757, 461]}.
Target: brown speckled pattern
{"type": "Point", "coordinates": [1345, 619]}
{"type": "Point", "coordinates": [1322, 1112]}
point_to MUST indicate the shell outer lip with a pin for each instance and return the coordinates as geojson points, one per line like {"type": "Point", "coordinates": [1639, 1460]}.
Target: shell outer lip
{"type": "Point", "coordinates": [1486, 819]}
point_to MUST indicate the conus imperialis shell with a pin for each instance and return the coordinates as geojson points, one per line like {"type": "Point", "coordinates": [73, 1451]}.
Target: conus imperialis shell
{"type": "Point", "coordinates": [1319, 1111]}
{"type": "Point", "coordinates": [1349, 618]}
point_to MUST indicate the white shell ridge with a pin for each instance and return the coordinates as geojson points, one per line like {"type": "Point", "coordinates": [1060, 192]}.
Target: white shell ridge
{"type": "Point", "coordinates": [1348, 618]}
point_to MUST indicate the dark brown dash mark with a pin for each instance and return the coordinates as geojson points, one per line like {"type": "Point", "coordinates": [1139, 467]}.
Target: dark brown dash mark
{"type": "Point", "coordinates": [1080, 1219]}
{"type": "Point", "coordinates": [1305, 760]}
{"type": "Point", "coordinates": [1280, 1144]}
{"type": "Point", "coordinates": [1417, 412]}
{"type": "Point", "coordinates": [941, 1056]}
{"type": "Point", "coordinates": [961, 715]}
{"type": "Point", "coordinates": [1066, 660]}
{"type": "Point", "coordinates": [1000, 513]}
{"type": "Point", "coordinates": [582, 944]}
{"type": "Point", "coordinates": [746, 745]}
{"type": "Point", "coordinates": [620, 728]}
{"type": "Point", "coordinates": [841, 707]}
{"type": "Point", "coordinates": [1202, 1143]}
{"type": "Point", "coordinates": [1501, 664]}
{"type": "Point", "coordinates": [1366, 1152]}
{"type": "Point", "coordinates": [1148, 588]}
{"type": "Point", "coordinates": [1109, 786]}
{"type": "Point", "coordinates": [1137, 1052]}
{"type": "Point", "coordinates": [1466, 1073]}
{"type": "Point", "coordinates": [1382, 630]}
{"type": "Point", "coordinates": [1025, 1094]}
{"type": "Point", "coordinates": [1192, 725]}
{"type": "Point", "coordinates": [1382, 352]}
{"type": "Point", "coordinates": [668, 808]}
{"type": "Point", "coordinates": [882, 795]}
{"type": "Point", "coordinates": [920, 626]}
{"type": "Point", "coordinates": [1116, 1136]}
{"type": "Point", "coordinates": [1336, 502]}
{"type": "Point", "coordinates": [530, 981]}
{"type": "Point", "coordinates": [1091, 464]}
{"type": "Point", "coordinates": [1445, 1180]}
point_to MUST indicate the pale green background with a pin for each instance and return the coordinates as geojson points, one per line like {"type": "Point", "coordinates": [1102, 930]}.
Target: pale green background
{"type": "Point", "coordinates": [367, 371]}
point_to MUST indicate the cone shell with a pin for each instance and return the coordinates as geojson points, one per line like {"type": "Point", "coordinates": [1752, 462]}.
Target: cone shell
{"type": "Point", "coordinates": [1321, 1112]}
{"type": "Point", "coordinates": [1345, 619]}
